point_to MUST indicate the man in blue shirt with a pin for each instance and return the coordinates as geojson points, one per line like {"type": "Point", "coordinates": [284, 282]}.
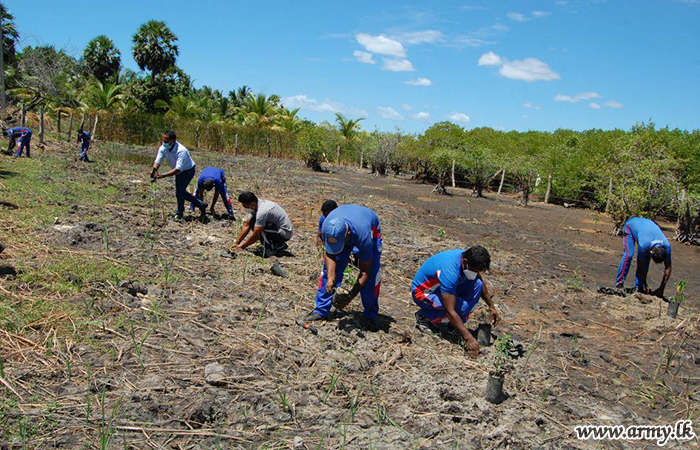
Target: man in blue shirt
{"type": "Point", "coordinates": [447, 288]}
{"type": "Point", "coordinates": [651, 244]}
{"type": "Point", "coordinates": [84, 137]}
{"type": "Point", "coordinates": [22, 136]}
{"type": "Point", "coordinates": [213, 178]}
{"type": "Point", "coordinates": [344, 228]}
{"type": "Point", "coordinates": [179, 160]}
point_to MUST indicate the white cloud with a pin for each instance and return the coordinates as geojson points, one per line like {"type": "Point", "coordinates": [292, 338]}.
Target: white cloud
{"type": "Point", "coordinates": [420, 82]}
{"type": "Point", "coordinates": [576, 98]}
{"type": "Point", "coordinates": [471, 41]}
{"type": "Point", "coordinates": [311, 104]}
{"type": "Point", "coordinates": [470, 8]}
{"type": "Point", "coordinates": [420, 37]}
{"type": "Point", "coordinates": [595, 105]}
{"type": "Point", "coordinates": [381, 45]}
{"type": "Point", "coordinates": [490, 59]}
{"type": "Point", "coordinates": [397, 65]}
{"type": "Point", "coordinates": [422, 116]}
{"type": "Point", "coordinates": [364, 57]}
{"type": "Point", "coordinates": [458, 117]}
{"type": "Point", "coordinates": [613, 104]}
{"type": "Point", "coordinates": [406, 107]}
{"type": "Point", "coordinates": [389, 113]}
{"type": "Point", "coordinates": [540, 14]}
{"type": "Point", "coordinates": [531, 106]}
{"type": "Point", "coordinates": [528, 69]}
{"type": "Point", "coordinates": [517, 17]}
{"type": "Point", "coordinates": [500, 28]}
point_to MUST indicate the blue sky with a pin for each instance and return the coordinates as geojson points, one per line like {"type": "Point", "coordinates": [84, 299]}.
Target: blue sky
{"type": "Point", "coordinates": [512, 64]}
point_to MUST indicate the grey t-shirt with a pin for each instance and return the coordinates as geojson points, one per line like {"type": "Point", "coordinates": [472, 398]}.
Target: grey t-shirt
{"type": "Point", "coordinates": [270, 212]}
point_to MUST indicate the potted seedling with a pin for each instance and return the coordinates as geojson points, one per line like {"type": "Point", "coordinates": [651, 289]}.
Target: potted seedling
{"type": "Point", "coordinates": [494, 388]}
{"type": "Point", "coordinates": [677, 299]}
{"type": "Point", "coordinates": [483, 334]}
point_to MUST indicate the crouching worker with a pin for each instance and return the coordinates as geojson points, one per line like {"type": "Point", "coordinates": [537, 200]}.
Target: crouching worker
{"type": "Point", "coordinates": [180, 161]}
{"type": "Point", "coordinates": [20, 137]}
{"type": "Point", "coordinates": [343, 229]}
{"type": "Point", "coordinates": [213, 178]}
{"type": "Point", "coordinates": [84, 137]}
{"type": "Point", "coordinates": [268, 222]}
{"type": "Point", "coordinates": [447, 288]}
{"type": "Point", "coordinates": [653, 245]}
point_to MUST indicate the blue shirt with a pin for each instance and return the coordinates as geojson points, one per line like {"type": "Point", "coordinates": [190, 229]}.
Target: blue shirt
{"type": "Point", "coordinates": [18, 131]}
{"type": "Point", "coordinates": [178, 157]}
{"type": "Point", "coordinates": [647, 234]}
{"type": "Point", "coordinates": [444, 270]}
{"type": "Point", "coordinates": [218, 176]}
{"type": "Point", "coordinates": [363, 224]}
{"type": "Point", "coordinates": [84, 136]}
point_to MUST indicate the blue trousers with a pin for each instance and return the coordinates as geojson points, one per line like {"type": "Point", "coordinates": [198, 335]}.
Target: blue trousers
{"type": "Point", "coordinates": [626, 261]}
{"type": "Point", "coordinates": [431, 307]}
{"type": "Point", "coordinates": [182, 180]}
{"type": "Point", "coordinates": [24, 143]}
{"type": "Point", "coordinates": [370, 291]}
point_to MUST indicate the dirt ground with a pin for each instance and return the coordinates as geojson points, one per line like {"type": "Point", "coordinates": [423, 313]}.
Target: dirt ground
{"type": "Point", "coordinates": [191, 349]}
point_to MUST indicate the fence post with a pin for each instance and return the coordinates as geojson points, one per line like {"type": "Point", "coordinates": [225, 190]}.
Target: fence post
{"type": "Point", "coordinates": [41, 124]}
{"type": "Point", "coordinates": [500, 187]}
{"type": "Point", "coordinates": [454, 183]}
{"type": "Point", "coordinates": [24, 114]}
{"type": "Point", "coordinates": [70, 126]}
{"type": "Point", "coordinates": [235, 146]}
{"type": "Point", "coordinates": [94, 127]}
{"type": "Point", "coordinates": [607, 201]}
{"type": "Point", "coordinates": [549, 188]}
{"type": "Point", "coordinates": [362, 158]}
{"type": "Point", "coordinates": [337, 158]}
{"type": "Point", "coordinates": [59, 123]}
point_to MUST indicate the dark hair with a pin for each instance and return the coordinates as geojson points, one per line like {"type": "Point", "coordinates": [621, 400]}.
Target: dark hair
{"type": "Point", "coordinates": [247, 197]}
{"type": "Point", "coordinates": [80, 130]}
{"type": "Point", "coordinates": [208, 185]}
{"type": "Point", "coordinates": [478, 258]}
{"type": "Point", "coordinates": [171, 134]}
{"type": "Point", "coordinates": [328, 206]}
{"type": "Point", "coordinates": [658, 253]}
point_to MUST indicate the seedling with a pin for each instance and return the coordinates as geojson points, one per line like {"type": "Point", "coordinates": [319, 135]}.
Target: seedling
{"type": "Point", "coordinates": [677, 299]}
{"type": "Point", "coordinates": [494, 388]}
{"type": "Point", "coordinates": [575, 283]}
{"type": "Point", "coordinates": [334, 380]}
{"type": "Point", "coordinates": [441, 234]}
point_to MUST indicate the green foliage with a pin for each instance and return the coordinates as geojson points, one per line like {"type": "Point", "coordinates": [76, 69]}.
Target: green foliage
{"type": "Point", "coordinates": [102, 59]}
{"type": "Point", "coordinates": [500, 358]}
{"type": "Point", "coordinates": [314, 143]}
{"type": "Point", "coordinates": [155, 47]}
{"type": "Point", "coordinates": [9, 34]}
{"type": "Point", "coordinates": [680, 292]}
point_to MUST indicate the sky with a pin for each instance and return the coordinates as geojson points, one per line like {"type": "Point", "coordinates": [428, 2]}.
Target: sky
{"type": "Point", "coordinates": [510, 64]}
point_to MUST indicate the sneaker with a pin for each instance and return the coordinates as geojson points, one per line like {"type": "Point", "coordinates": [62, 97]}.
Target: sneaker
{"type": "Point", "coordinates": [313, 316]}
{"type": "Point", "coordinates": [423, 324]}
{"type": "Point", "coordinates": [178, 217]}
{"type": "Point", "coordinates": [371, 325]}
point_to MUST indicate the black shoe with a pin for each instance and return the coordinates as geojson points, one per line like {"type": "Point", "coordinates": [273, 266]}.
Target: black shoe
{"type": "Point", "coordinates": [423, 324]}
{"type": "Point", "coordinates": [371, 325]}
{"type": "Point", "coordinates": [203, 208]}
{"type": "Point", "coordinates": [313, 316]}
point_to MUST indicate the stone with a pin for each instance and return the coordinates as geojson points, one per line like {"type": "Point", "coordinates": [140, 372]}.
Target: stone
{"type": "Point", "coordinates": [214, 374]}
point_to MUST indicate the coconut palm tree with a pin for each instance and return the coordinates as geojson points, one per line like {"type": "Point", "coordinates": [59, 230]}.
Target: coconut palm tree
{"type": "Point", "coordinates": [288, 120]}
{"type": "Point", "coordinates": [259, 111]}
{"type": "Point", "coordinates": [348, 128]}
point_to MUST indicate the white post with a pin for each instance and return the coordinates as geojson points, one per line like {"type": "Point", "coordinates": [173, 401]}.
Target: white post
{"type": "Point", "coordinates": [549, 188]}
{"type": "Point", "coordinates": [454, 183]}
{"type": "Point", "coordinates": [503, 177]}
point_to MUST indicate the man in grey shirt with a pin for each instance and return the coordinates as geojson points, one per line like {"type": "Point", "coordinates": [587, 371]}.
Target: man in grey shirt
{"type": "Point", "coordinates": [269, 222]}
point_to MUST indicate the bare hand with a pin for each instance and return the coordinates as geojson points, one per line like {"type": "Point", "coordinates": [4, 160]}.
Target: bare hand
{"type": "Point", "coordinates": [330, 285]}
{"type": "Point", "coordinates": [496, 316]}
{"type": "Point", "coordinates": [472, 347]}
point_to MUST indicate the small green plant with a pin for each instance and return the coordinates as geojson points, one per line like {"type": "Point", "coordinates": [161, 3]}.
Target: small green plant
{"type": "Point", "coordinates": [331, 386]}
{"type": "Point", "coordinates": [575, 283]}
{"type": "Point", "coordinates": [106, 425]}
{"type": "Point", "coordinates": [500, 357]}
{"type": "Point", "coordinates": [441, 234]}
{"type": "Point", "coordinates": [680, 292]}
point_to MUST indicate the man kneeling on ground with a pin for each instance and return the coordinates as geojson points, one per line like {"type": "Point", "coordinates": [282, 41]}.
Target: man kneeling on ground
{"type": "Point", "coordinates": [270, 225]}
{"type": "Point", "coordinates": [213, 178]}
{"type": "Point", "coordinates": [447, 288]}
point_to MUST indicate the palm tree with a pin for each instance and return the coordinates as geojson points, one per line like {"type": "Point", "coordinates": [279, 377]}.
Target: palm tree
{"type": "Point", "coordinates": [155, 47]}
{"type": "Point", "coordinates": [102, 97]}
{"type": "Point", "coordinates": [348, 128]}
{"type": "Point", "coordinates": [180, 107]}
{"type": "Point", "coordinates": [258, 110]}
{"type": "Point", "coordinates": [288, 120]}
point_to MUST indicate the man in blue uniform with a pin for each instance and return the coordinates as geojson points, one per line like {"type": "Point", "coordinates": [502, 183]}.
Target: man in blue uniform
{"type": "Point", "coordinates": [84, 137]}
{"type": "Point", "coordinates": [344, 228]}
{"type": "Point", "coordinates": [213, 178]}
{"type": "Point", "coordinates": [22, 136]}
{"type": "Point", "coordinates": [179, 160]}
{"type": "Point", "coordinates": [651, 244]}
{"type": "Point", "coordinates": [447, 288]}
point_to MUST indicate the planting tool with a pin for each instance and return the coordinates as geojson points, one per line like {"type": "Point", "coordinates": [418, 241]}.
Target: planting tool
{"type": "Point", "coordinates": [307, 326]}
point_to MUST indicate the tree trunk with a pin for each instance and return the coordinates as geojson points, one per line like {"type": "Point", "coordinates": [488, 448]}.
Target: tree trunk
{"type": "Point", "coordinates": [24, 114]}
{"type": "Point", "coordinates": [525, 190]}
{"type": "Point", "coordinates": [549, 188]}
{"type": "Point", "coordinates": [41, 124]}
{"type": "Point", "coordinates": [70, 126]}
{"type": "Point", "coordinates": [454, 182]}
{"type": "Point", "coordinates": [500, 187]}
{"type": "Point", "coordinates": [94, 127]}
{"type": "Point", "coordinates": [610, 190]}
{"type": "Point", "coordinates": [82, 122]}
